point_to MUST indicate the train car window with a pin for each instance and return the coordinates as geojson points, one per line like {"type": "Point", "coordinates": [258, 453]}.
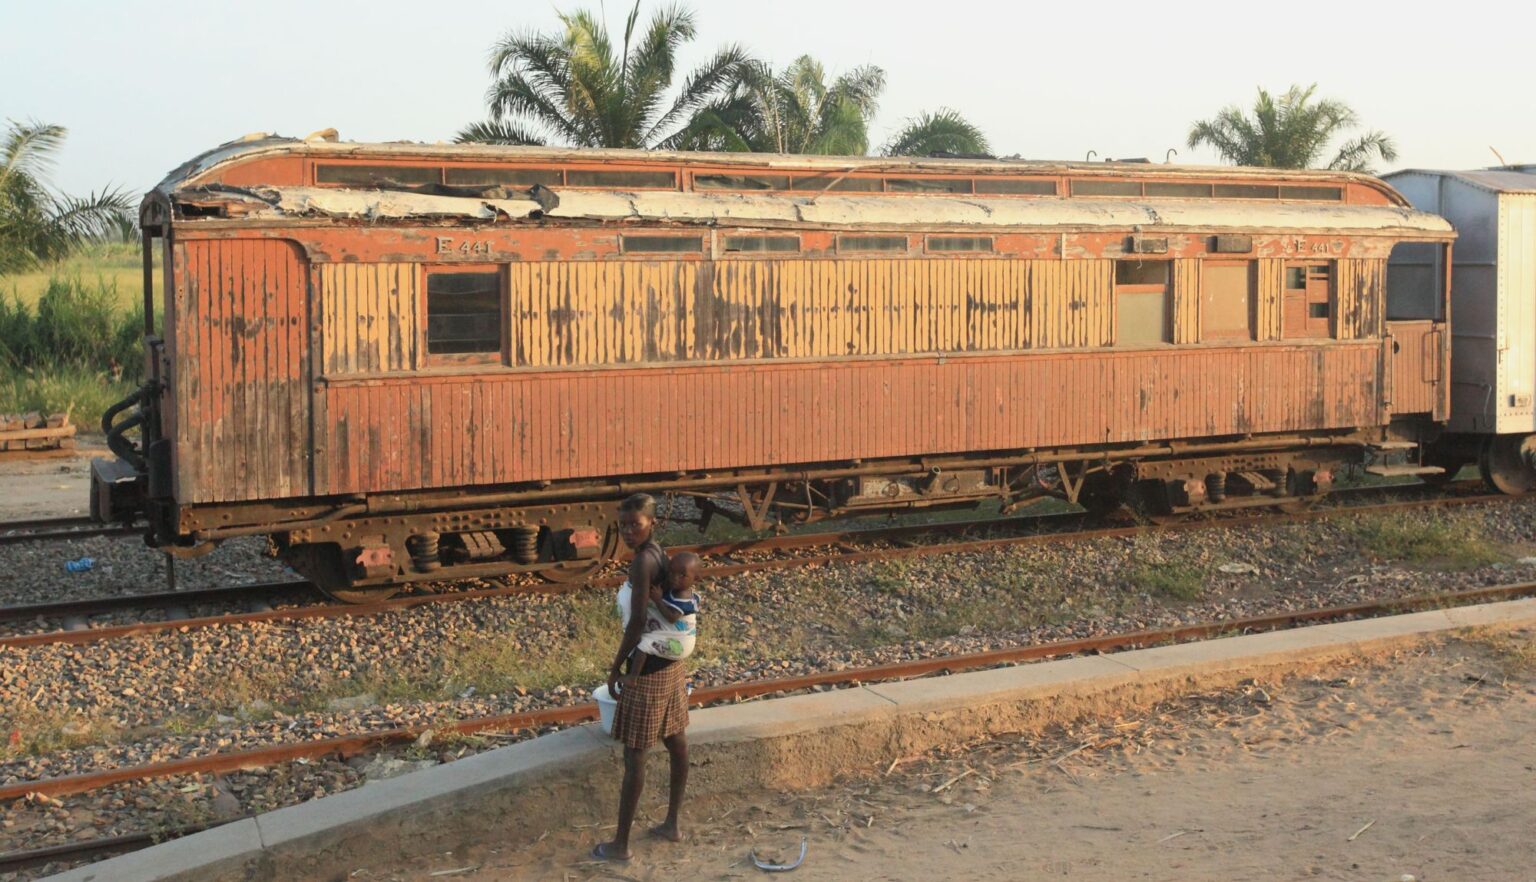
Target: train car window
{"type": "Point", "coordinates": [1416, 281]}
{"type": "Point", "coordinates": [740, 182]}
{"type": "Point", "coordinates": [1308, 299]}
{"type": "Point", "coordinates": [643, 180]}
{"type": "Point", "coordinates": [872, 243]}
{"type": "Point", "coordinates": [1247, 191]}
{"type": "Point", "coordinates": [762, 244]}
{"type": "Point", "coordinates": [1226, 301]}
{"type": "Point", "coordinates": [960, 243]}
{"type": "Point", "coordinates": [1015, 187]}
{"type": "Point", "coordinates": [1092, 187]}
{"type": "Point", "coordinates": [1141, 302]}
{"type": "Point", "coordinates": [1320, 194]}
{"type": "Point", "coordinates": [662, 244]}
{"type": "Point", "coordinates": [377, 175]}
{"type": "Point", "coordinates": [837, 184]}
{"type": "Point", "coordinates": [464, 313]}
{"type": "Point", "coordinates": [517, 177]}
{"type": "Point", "coordinates": [928, 185]}
{"type": "Point", "coordinates": [1178, 189]}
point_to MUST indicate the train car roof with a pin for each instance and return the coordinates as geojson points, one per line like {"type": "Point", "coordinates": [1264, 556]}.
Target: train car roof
{"type": "Point", "coordinates": [262, 144]}
{"type": "Point", "coordinates": [198, 189]}
{"type": "Point", "coordinates": [296, 204]}
{"type": "Point", "coordinates": [1496, 180]}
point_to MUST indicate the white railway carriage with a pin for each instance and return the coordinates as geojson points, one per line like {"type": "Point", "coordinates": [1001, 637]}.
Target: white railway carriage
{"type": "Point", "coordinates": [1493, 301]}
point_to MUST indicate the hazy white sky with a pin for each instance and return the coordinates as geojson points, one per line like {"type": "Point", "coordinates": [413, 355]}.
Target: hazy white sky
{"type": "Point", "coordinates": [143, 86]}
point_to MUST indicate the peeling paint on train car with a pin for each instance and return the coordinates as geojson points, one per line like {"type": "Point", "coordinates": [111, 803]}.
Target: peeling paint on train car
{"type": "Point", "coordinates": [239, 344]}
{"type": "Point", "coordinates": [273, 203]}
{"type": "Point", "coordinates": [837, 350]}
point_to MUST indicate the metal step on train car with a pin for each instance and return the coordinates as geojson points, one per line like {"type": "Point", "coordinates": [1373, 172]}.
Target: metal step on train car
{"type": "Point", "coordinates": [408, 362]}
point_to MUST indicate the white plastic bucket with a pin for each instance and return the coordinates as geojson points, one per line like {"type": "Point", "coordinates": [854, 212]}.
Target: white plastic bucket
{"type": "Point", "coordinates": [606, 706]}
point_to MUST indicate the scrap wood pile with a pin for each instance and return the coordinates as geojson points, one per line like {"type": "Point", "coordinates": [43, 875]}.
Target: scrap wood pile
{"type": "Point", "coordinates": [32, 434]}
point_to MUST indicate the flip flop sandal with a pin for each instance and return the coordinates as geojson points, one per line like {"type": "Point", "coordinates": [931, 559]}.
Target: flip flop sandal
{"type": "Point", "coordinates": [599, 853]}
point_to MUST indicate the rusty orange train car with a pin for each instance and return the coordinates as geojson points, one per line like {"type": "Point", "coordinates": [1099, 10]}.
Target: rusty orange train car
{"type": "Point", "coordinates": [411, 362]}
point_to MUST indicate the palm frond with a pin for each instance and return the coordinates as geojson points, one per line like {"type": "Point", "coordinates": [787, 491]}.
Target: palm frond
{"type": "Point", "coordinates": [653, 61]}
{"type": "Point", "coordinates": [94, 217]}
{"type": "Point", "coordinates": [703, 83]}
{"type": "Point", "coordinates": [493, 131]}
{"type": "Point", "coordinates": [29, 149]}
{"type": "Point", "coordinates": [841, 131]}
{"type": "Point", "coordinates": [515, 95]}
{"type": "Point", "coordinates": [1356, 154]}
{"type": "Point", "coordinates": [861, 87]}
{"type": "Point", "coordinates": [941, 131]}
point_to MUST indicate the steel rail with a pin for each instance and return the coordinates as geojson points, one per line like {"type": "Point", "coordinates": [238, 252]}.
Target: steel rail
{"type": "Point", "coordinates": [350, 745]}
{"type": "Point", "coordinates": [13, 861]}
{"type": "Point", "coordinates": [97, 605]}
{"type": "Point", "coordinates": [839, 540]}
{"type": "Point", "coordinates": [46, 529]}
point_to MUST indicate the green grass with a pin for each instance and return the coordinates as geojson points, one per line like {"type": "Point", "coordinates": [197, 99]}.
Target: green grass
{"type": "Point", "coordinates": [73, 349]}
{"type": "Point", "coordinates": [1014, 594]}
{"type": "Point", "coordinates": [84, 395]}
{"type": "Point", "coordinates": [1176, 579]}
{"type": "Point", "coordinates": [113, 265]}
{"type": "Point", "coordinates": [1447, 544]}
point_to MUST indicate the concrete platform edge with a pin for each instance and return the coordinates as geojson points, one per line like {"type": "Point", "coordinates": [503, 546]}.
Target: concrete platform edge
{"type": "Point", "coordinates": [510, 792]}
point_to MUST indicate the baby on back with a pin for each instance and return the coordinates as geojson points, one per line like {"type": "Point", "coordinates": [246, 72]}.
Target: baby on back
{"type": "Point", "coordinates": [672, 613]}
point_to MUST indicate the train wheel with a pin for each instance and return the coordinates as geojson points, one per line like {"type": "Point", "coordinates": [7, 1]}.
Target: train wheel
{"type": "Point", "coordinates": [321, 564]}
{"type": "Point", "coordinates": [1508, 463]}
{"type": "Point", "coordinates": [566, 572]}
{"type": "Point", "coordinates": [1444, 460]}
{"type": "Point", "coordinates": [1296, 504]}
{"type": "Point", "coordinates": [360, 595]}
{"type": "Point", "coordinates": [1149, 502]}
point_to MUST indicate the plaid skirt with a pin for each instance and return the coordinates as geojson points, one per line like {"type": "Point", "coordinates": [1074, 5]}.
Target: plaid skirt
{"type": "Point", "coordinates": [653, 707]}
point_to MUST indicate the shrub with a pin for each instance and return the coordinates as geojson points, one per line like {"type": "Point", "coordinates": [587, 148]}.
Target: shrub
{"type": "Point", "coordinates": [78, 351]}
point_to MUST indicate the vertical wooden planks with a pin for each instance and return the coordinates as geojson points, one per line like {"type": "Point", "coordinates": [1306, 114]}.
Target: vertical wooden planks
{"type": "Point", "coordinates": [1186, 301]}
{"type": "Point", "coordinates": [242, 317]}
{"type": "Point", "coordinates": [1269, 300]}
{"type": "Point", "coordinates": [369, 317]}
{"type": "Point", "coordinates": [1359, 299]}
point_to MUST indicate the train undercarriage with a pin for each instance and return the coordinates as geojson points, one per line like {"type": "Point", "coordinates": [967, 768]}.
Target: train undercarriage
{"type": "Point", "coordinates": [369, 547]}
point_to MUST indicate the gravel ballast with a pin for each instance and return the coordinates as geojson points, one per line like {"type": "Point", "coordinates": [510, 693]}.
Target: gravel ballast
{"type": "Point", "coordinates": [71, 709]}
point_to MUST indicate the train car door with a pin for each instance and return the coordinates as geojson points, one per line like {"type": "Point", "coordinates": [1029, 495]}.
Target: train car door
{"type": "Point", "coordinates": [1418, 309]}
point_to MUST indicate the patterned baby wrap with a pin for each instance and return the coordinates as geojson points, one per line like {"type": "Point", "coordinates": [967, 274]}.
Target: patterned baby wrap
{"type": "Point", "coordinates": [661, 638]}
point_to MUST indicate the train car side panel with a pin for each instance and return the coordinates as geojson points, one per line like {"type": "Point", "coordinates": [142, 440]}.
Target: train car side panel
{"type": "Point", "coordinates": [700, 417]}
{"type": "Point", "coordinates": [241, 370]}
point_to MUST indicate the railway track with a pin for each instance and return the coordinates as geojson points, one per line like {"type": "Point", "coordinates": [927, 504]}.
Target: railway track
{"type": "Point", "coordinates": [722, 559]}
{"type": "Point", "coordinates": [352, 745]}
{"type": "Point", "coordinates": [47, 529]}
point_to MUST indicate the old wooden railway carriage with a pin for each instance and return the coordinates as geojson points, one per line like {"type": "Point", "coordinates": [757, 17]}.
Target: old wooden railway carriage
{"type": "Point", "coordinates": [414, 361]}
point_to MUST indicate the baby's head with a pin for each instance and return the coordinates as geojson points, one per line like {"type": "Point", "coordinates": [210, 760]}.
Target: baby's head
{"type": "Point", "coordinates": [683, 571]}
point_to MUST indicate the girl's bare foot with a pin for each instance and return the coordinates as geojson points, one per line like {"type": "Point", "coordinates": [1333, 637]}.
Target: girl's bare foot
{"type": "Point", "coordinates": [608, 851]}
{"type": "Point", "coordinates": [668, 832]}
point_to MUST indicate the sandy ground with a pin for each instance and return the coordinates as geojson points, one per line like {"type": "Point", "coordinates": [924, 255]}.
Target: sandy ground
{"type": "Point", "coordinates": [1418, 766]}
{"type": "Point", "coordinates": [54, 487]}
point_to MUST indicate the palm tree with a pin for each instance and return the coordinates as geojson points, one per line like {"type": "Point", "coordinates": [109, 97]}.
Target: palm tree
{"type": "Point", "coordinates": [1291, 132]}
{"type": "Point", "coordinates": [574, 88]}
{"type": "Point", "coordinates": [36, 224]}
{"type": "Point", "coordinates": [795, 111]}
{"type": "Point", "coordinates": [790, 111]}
{"type": "Point", "coordinates": [944, 131]}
